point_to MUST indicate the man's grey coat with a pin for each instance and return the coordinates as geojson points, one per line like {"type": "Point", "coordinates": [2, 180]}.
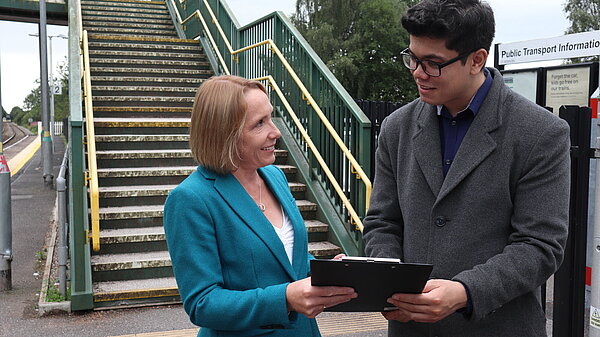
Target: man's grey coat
{"type": "Point", "coordinates": [497, 223]}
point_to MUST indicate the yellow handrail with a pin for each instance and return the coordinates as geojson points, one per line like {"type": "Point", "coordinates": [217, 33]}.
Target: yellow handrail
{"type": "Point", "coordinates": [92, 176]}
{"type": "Point", "coordinates": [353, 215]}
{"type": "Point", "coordinates": [356, 168]}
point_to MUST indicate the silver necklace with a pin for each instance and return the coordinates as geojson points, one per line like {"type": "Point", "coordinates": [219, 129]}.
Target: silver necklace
{"type": "Point", "coordinates": [260, 203]}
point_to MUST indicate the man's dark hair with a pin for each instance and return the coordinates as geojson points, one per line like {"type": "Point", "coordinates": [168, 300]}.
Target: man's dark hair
{"type": "Point", "coordinates": [466, 25]}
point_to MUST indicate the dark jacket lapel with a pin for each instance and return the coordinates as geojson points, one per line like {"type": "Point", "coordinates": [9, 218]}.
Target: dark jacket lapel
{"type": "Point", "coordinates": [478, 143]}
{"type": "Point", "coordinates": [427, 147]}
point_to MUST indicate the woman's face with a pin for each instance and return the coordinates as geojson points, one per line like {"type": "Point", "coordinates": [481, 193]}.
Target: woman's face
{"type": "Point", "coordinates": [259, 134]}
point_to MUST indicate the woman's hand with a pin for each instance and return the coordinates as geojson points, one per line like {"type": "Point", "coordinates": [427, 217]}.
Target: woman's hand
{"type": "Point", "coordinates": [339, 256]}
{"type": "Point", "coordinates": [309, 300]}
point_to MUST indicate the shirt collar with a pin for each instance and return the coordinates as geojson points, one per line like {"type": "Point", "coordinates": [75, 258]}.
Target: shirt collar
{"type": "Point", "coordinates": [478, 98]}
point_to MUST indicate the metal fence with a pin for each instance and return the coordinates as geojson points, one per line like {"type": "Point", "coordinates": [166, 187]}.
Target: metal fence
{"type": "Point", "coordinates": [376, 111]}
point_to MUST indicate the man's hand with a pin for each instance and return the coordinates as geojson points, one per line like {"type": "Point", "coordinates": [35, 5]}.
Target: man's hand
{"type": "Point", "coordinates": [439, 299]}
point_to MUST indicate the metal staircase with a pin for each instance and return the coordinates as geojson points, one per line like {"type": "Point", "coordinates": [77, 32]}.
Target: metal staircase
{"type": "Point", "coordinates": [143, 81]}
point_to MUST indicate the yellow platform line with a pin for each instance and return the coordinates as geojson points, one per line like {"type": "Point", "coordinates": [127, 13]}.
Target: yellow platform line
{"type": "Point", "coordinates": [172, 333]}
{"type": "Point", "coordinates": [336, 324]}
{"type": "Point", "coordinates": [17, 163]}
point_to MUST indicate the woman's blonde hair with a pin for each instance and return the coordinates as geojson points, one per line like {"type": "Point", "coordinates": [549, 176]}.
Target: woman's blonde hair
{"type": "Point", "coordinates": [218, 117]}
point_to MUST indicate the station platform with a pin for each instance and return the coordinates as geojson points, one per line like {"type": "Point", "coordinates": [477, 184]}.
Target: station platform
{"type": "Point", "coordinates": [33, 216]}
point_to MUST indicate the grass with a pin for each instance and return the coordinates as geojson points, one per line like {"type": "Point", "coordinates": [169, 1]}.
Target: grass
{"type": "Point", "coordinates": [53, 294]}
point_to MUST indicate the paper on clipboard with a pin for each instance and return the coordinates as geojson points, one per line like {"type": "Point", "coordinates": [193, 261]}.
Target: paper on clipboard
{"type": "Point", "coordinates": [374, 279]}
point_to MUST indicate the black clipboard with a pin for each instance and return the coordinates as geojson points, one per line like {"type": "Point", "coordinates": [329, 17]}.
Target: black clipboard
{"type": "Point", "coordinates": [375, 280]}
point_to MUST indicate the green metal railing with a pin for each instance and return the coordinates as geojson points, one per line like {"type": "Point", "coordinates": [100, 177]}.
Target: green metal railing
{"type": "Point", "coordinates": [271, 47]}
{"type": "Point", "coordinates": [80, 269]}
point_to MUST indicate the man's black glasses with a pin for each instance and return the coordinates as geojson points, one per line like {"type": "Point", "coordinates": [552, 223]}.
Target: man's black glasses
{"type": "Point", "coordinates": [431, 68]}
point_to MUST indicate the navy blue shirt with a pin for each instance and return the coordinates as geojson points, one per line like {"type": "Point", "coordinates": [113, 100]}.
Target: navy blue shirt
{"type": "Point", "coordinates": [454, 129]}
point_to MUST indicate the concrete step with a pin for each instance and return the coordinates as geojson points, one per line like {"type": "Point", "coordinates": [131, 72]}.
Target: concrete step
{"type": "Point", "coordinates": [144, 158]}
{"type": "Point", "coordinates": [91, 18]}
{"type": "Point", "coordinates": [306, 206]}
{"type": "Point", "coordinates": [131, 172]}
{"type": "Point", "coordinates": [148, 101]}
{"type": "Point", "coordinates": [136, 91]}
{"type": "Point", "coordinates": [127, 176]}
{"type": "Point", "coordinates": [120, 54]}
{"type": "Point", "coordinates": [148, 81]}
{"type": "Point", "coordinates": [130, 212]}
{"type": "Point", "coordinates": [146, 25]}
{"type": "Point", "coordinates": [86, 8]}
{"type": "Point", "coordinates": [137, 191]}
{"type": "Point", "coordinates": [128, 71]}
{"type": "Point", "coordinates": [116, 36]}
{"type": "Point", "coordinates": [144, 175]}
{"type": "Point", "coordinates": [120, 3]}
{"type": "Point", "coordinates": [107, 262]}
{"type": "Point", "coordinates": [139, 39]}
{"type": "Point", "coordinates": [288, 168]}
{"type": "Point", "coordinates": [100, 15]}
{"type": "Point", "coordinates": [145, 100]}
{"type": "Point", "coordinates": [323, 249]}
{"type": "Point", "coordinates": [148, 63]}
{"type": "Point", "coordinates": [141, 112]}
{"type": "Point", "coordinates": [130, 235]}
{"type": "Point", "coordinates": [316, 226]}
{"type": "Point", "coordinates": [131, 31]}
{"type": "Point", "coordinates": [134, 195]}
{"type": "Point", "coordinates": [140, 142]}
{"type": "Point", "coordinates": [175, 46]}
{"type": "Point", "coordinates": [141, 123]}
{"type": "Point", "coordinates": [142, 138]}
{"type": "Point", "coordinates": [130, 293]}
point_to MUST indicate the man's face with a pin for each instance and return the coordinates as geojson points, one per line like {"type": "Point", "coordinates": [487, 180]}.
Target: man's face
{"type": "Point", "coordinates": [454, 88]}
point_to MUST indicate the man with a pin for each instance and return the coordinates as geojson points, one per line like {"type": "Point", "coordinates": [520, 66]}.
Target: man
{"type": "Point", "coordinates": [472, 178]}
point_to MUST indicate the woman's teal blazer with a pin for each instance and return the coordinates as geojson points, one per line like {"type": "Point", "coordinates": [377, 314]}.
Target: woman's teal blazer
{"type": "Point", "coordinates": [231, 267]}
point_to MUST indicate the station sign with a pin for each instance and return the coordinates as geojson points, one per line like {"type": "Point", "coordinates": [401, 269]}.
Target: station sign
{"type": "Point", "coordinates": [561, 47]}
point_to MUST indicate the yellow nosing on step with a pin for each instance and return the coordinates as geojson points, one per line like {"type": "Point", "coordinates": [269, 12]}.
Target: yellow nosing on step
{"type": "Point", "coordinates": [141, 109]}
{"type": "Point", "coordinates": [140, 38]}
{"type": "Point", "coordinates": [142, 124]}
{"type": "Point", "coordinates": [136, 294]}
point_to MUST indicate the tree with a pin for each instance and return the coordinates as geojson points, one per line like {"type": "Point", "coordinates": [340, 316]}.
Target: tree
{"type": "Point", "coordinates": [584, 16]}
{"type": "Point", "coordinates": [32, 103]}
{"type": "Point", "coordinates": [361, 42]}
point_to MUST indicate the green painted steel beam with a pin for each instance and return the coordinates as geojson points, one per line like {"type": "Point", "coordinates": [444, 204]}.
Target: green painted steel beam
{"type": "Point", "coordinates": [29, 11]}
{"type": "Point", "coordinates": [79, 250]}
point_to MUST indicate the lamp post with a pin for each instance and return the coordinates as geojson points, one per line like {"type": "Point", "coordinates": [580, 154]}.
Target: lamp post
{"type": "Point", "coordinates": [51, 81]}
{"type": "Point", "coordinates": [5, 214]}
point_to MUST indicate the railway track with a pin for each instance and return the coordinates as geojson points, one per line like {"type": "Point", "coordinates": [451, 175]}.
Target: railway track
{"type": "Point", "coordinates": [12, 134]}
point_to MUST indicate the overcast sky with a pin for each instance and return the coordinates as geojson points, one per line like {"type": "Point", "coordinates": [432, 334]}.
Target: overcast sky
{"type": "Point", "coordinates": [516, 20]}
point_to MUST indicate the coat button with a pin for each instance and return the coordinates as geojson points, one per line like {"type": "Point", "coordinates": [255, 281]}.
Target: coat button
{"type": "Point", "coordinates": [440, 221]}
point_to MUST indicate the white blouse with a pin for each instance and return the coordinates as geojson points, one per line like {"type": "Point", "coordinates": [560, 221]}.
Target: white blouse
{"type": "Point", "coordinates": [286, 235]}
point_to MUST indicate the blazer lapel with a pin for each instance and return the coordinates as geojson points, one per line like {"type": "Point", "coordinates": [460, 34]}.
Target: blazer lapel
{"type": "Point", "coordinates": [288, 204]}
{"type": "Point", "coordinates": [242, 204]}
{"type": "Point", "coordinates": [475, 147]}
{"type": "Point", "coordinates": [428, 149]}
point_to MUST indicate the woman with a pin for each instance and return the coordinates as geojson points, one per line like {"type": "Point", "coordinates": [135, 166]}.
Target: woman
{"type": "Point", "coordinates": [236, 238]}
